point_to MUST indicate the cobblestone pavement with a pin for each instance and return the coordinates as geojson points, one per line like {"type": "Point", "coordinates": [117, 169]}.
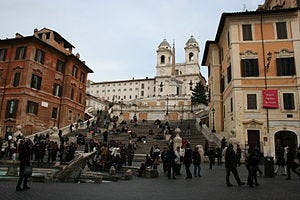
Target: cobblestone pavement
{"type": "Point", "coordinates": [210, 186]}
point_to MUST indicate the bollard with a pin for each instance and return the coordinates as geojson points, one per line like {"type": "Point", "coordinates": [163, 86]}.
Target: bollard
{"type": "Point", "coordinates": [128, 174]}
{"type": "Point", "coordinates": [49, 177]}
{"type": "Point", "coordinates": [112, 170]}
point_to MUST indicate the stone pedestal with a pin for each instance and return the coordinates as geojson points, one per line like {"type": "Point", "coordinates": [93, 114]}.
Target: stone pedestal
{"type": "Point", "coordinates": [12, 171]}
{"type": "Point", "coordinates": [48, 177]}
{"type": "Point", "coordinates": [128, 174]}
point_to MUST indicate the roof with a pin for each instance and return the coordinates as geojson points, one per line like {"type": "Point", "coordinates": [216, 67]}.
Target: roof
{"type": "Point", "coordinates": [122, 81]}
{"type": "Point", "coordinates": [48, 45]}
{"type": "Point", "coordinates": [240, 14]}
{"type": "Point", "coordinates": [192, 40]}
{"type": "Point", "coordinates": [58, 36]}
{"type": "Point", "coordinates": [164, 43]}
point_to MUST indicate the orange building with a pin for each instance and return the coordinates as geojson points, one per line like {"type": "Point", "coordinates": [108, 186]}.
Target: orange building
{"type": "Point", "coordinates": [254, 77]}
{"type": "Point", "coordinates": [42, 84]}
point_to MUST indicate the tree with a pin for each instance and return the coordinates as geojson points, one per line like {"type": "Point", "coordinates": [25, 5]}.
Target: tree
{"type": "Point", "coordinates": [199, 95]}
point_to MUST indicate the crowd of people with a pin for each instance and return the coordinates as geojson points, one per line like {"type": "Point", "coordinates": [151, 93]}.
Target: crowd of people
{"type": "Point", "coordinates": [172, 157]}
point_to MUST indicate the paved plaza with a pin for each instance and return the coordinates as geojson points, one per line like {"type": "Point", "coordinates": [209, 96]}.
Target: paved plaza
{"type": "Point", "coordinates": [210, 186]}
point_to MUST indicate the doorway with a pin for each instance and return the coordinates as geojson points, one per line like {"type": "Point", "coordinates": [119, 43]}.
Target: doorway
{"type": "Point", "coordinates": [286, 138]}
{"type": "Point", "coordinates": [253, 138]}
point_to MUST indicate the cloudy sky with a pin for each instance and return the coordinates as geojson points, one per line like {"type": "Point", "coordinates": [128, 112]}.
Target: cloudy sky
{"type": "Point", "coordinates": [118, 38]}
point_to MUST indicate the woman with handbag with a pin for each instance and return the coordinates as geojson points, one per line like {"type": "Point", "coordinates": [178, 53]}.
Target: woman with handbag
{"type": "Point", "coordinates": [25, 168]}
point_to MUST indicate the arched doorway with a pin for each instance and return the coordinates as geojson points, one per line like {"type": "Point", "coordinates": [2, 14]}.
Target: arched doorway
{"type": "Point", "coordinates": [286, 138]}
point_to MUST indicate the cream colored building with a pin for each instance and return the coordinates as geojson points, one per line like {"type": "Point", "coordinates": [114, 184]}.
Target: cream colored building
{"type": "Point", "coordinates": [254, 76]}
{"type": "Point", "coordinates": [166, 96]}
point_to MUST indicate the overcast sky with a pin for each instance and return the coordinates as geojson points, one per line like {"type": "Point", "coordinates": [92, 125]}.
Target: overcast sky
{"type": "Point", "coordinates": [118, 39]}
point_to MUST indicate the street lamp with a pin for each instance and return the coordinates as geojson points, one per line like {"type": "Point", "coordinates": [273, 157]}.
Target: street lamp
{"type": "Point", "coordinates": [121, 106]}
{"type": "Point", "coordinates": [161, 87]}
{"type": "Point", "coordinates": [167, 113]}
{"type": "Point", "coordinates": [213, 120]}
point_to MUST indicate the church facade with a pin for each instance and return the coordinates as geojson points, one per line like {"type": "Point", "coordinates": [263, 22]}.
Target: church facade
{"type": "Point", "coordinates": [166, 96]}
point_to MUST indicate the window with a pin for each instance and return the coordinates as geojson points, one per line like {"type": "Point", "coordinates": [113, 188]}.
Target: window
{"type": "Point", "coordinates": [54, 113]}
{"type": "Point", "coordinates": [11, 108]}
{"type": "Point", "coordinates": [60, 66]}
{"type": "Point", "coordinates": [36, 81]}
{"type": "Point", "coordinates": [231, 105]}
{"type": "Point", "coordinates": [285, 66]}
{"type": "Point", "coordinates": [247, 32]}
{"type": "Point", "coordinates": [20, 53]}
{"type": "Point", "coordinates": [82, 77]}
{"type": "Point", "coordinates": [251, 102]}
{"type": "Point", "coordinates": [57, 90]}
{"type": "Point", "coordinates": [142, 93]}
{"type": "Point", "coordinates": [222, 84]}
{"type": "Point", "coordinates": [191, 56]}
{"type": "Point", "coordinates": [143, 85]}
{"type": "Point", "coordinates": [72, 94]}
{"type": "Point", "coordinates": [32, 107]}
{"type": "Point", "coordinates": [39, 56]}
{"type": "Point", "coordinates": [249, 67]}
{"type": "Point", "coordinates": [229, 74]}
{"type": "Point", "coordinates": [74, 72]}
{"type": "Point", "coordinates": [16, 79]}
{"type": "Point", "coordinates": [70, 115]}
{"type": "Point", "coordinates": [3, 54]}
{"type": "Point", "coordinates": [281, 30]}
{"type": "Point", "coordinates": [288, 101]}
{"type": "Point", "coordinates": [80, 98]}
{"type": "Point", "coordinates": [162, 59]}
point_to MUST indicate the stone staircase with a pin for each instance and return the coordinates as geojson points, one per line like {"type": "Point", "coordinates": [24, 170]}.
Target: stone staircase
{"type": "Point", "coordinates": [143, 128]}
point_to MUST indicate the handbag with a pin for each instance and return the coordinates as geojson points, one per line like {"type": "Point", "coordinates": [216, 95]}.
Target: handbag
{"type": "Point", "coordinates": [27, 171]}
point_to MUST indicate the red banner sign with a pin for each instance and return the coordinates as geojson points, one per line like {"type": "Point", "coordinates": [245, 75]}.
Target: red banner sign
{"type": "Point", "coordinates": [270, 98]}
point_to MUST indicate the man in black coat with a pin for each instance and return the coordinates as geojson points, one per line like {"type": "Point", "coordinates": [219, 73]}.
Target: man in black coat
{"type": "Point", "coordinates": [231, 165]}
{"type": "Point", "coordinates": [170, 162]}
{"type": "Point", "coordinates": [291, 164]}
{"type": "Point", "coordinates": [24, 157]}
{"type": "Point", "coordinates": [188, 158]}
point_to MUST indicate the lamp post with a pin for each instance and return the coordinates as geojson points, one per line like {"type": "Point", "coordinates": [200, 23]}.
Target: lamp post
{"type": "Point", "coordinates": [181, 119]}
{"type": "Point", "coordinates": [161, 87]}
{"type": "Point", "coordinates": [167, 113]}
{"type": "Point", "coordinates": [121, 106]}
{"type": "Point", "coordinates": [213, 120]}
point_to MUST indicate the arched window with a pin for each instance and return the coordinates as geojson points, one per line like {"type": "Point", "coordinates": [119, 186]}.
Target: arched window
{"type": "Point", "coordinates": [191, 56]}
{"type": "Point", "coordinates": [162, 59]}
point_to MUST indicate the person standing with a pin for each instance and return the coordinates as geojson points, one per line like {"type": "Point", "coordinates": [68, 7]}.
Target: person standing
{"type": "Point", "coordinates": [252, 162]}
{"type": "Point", "coordinates": [223, 143]}
{"type": "Point", "coordinates": [163, 159]}
{"type": "Point", "coordinates": [197, 162]}
{"type": "Point", "coordinates": [231, 166]}
{"type": "Point", "coordinates": [188, 157]}
{"type": "Point", "coordinates": [24, 157]}
{"type": "Point", "coordinates": [290, 164]}
{"type": "Point", "coordinates": [238, 154]}
{"type": "Point", "coordinates": [178, 160]}
{"type": "Point", "coordinates": [170, 161]}
{"type": "Point", "coordinates": [211, 156]}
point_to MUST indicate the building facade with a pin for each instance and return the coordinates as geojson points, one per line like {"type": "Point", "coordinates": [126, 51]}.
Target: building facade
{"type": "Point", "coordinates": [254, 77]}
{"type": "Point", "coordinates": [153, 98]}
{"type": "Point", "coordinates": [42, 83]}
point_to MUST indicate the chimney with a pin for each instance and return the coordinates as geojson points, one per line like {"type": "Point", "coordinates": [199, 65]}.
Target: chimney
{"type": "Point", "coordinates": [77, 55]}
{"type": "Point", "coordinates": [18, 35]}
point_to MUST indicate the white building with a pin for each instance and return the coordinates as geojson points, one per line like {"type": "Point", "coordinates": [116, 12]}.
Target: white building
{"type": "Point", "coordinates": [170, 90]}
